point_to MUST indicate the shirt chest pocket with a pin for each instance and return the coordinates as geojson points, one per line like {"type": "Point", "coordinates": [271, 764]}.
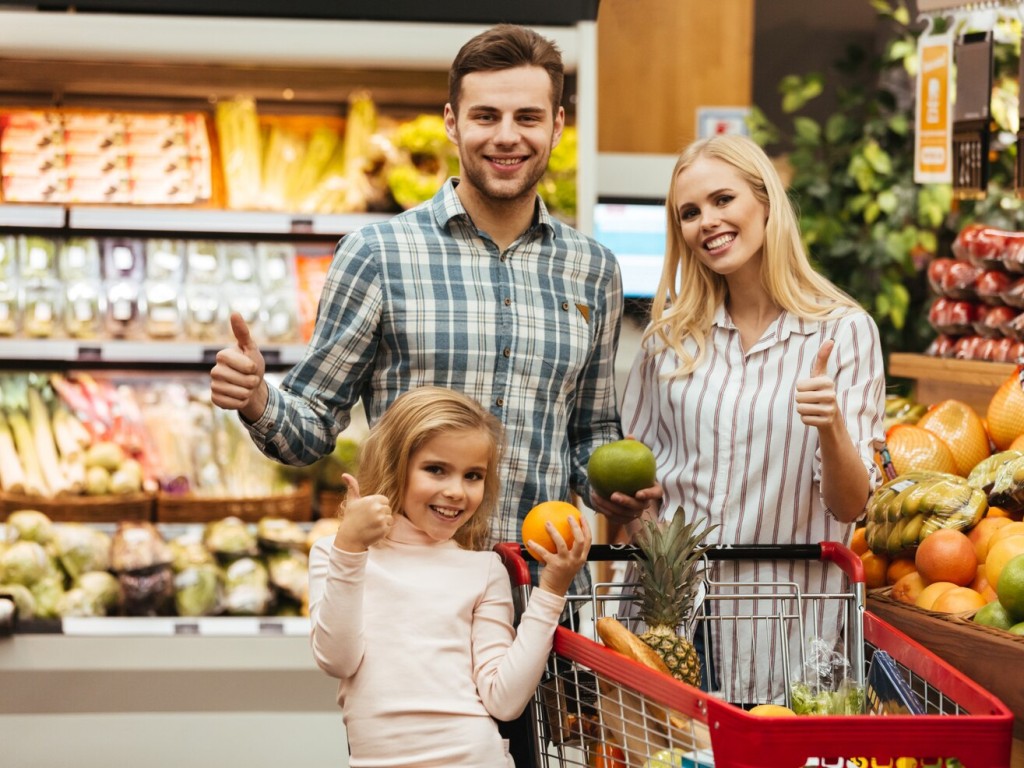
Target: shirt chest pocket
{"type": "Point", "coordinates": [564, 346]}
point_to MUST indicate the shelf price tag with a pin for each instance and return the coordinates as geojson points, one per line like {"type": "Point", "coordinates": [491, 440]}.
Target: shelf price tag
{"type": "Point", "coordinates": [933, 135]}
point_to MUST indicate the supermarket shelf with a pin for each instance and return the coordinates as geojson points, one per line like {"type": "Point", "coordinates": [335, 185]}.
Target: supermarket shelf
{"type": "Point", "coordinates": [184, 220]}
{"type": "Point", "coordinates": [253, 41]}
{"type": "Point", "coordinates": [132, 353]}
{"type": "Point", "coordinates": [940, 378]}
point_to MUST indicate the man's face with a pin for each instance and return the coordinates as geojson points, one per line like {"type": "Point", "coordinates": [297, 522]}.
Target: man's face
{"type": "Point", "coordinates": [505, 131]}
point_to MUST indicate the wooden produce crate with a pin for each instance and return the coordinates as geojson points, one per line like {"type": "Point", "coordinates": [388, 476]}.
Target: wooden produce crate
{"type": "Point", "coordinates": [185, 508]}
{"type": "Point", "coordinates": [992, 658]}
{"type": "Point", "coordinates": [328, 502]}
{"type": "Point", "coordinates": [83, 509]}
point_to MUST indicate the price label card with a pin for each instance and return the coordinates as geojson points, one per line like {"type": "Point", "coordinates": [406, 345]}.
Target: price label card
{"type": "Point", "coordinates": [933, 135]}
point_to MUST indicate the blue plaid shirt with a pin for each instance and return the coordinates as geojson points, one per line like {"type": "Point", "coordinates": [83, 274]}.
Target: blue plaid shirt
{"type": "Point", "coordinates": [427, 299]}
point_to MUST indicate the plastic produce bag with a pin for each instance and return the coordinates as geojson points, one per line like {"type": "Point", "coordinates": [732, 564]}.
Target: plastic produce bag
{"type": "Point", "coordinates": [826, 688]}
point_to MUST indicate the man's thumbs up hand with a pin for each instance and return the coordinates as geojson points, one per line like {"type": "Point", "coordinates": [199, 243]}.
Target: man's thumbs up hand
{"type": "Point", "coordinates": [237, 378]}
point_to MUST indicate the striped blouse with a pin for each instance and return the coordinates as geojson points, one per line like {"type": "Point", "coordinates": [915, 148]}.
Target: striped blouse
{"type": "Point", "coordinates": [730, 444]}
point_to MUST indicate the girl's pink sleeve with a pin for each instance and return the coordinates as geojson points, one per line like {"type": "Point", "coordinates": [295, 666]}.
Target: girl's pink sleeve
{"type": "Point", "coordinates": [507, 665]}
{"type": "Point", "coordinates": [336, 607]}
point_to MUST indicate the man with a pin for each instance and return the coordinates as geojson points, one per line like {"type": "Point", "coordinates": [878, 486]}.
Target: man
{"type": "Point", "coordinates": [479, 289]}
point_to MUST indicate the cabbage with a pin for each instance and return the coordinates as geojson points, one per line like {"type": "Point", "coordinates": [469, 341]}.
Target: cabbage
{"type": "Point", "coordinates": [23, 600]}
{"type": "Point", "coordinates": [103, 588]}
{"type": "Point", "coordinates": [279, 533]}
{"type": "Point", "coordinates": [188, 551]}
{"type": "Point", "coordinates": [31, 525]}
{"type": "Point", "coordinates": [78, 602]}
{"type": "Point", "coordinates": [289, 572]}
{"type": "Point", "coordinates": [81, 548]}
{"type": "Point", "coordinates": [230, 537]}
{"type": "Point", "coordinates": [848, 699]}
{"type": "Point", "coordinates": [47, 592]}
{"type": "Point", "coordinates": [247, 588]}
{"type": "Point", "coordinates": [197, 590]}
{"type": "Point", "coordinates": [25, 563]}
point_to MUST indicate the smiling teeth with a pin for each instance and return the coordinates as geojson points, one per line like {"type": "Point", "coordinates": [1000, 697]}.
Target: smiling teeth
{"type": "Point", "coordinates": [718, 242]}
{"type": "Point", "coordinates": [506, 161]}
{"type": "Point", "coordinates": [449, 513]}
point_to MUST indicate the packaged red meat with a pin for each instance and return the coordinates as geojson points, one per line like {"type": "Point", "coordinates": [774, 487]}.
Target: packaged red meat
{"type": "Point", "coordinates": [958, 281]}
{"type": "Point", "coordinates": [968, 347]}
{"type": "Point", "coordinates": [942, 346]}
{"type": "Point", "coordinates": [953, 317]}
{"type": "Point", "coordinates": [937, 269]}
{"type": "Point", "coordinates": [982, 245]}
{"type": "Point", "coordinates": [991, 322]}
{"type": "Point", "coordinates": [996, 350]}
{"type": "Point", "coordinates": [1014, 327]}
{"type": "Point", "coordinates": [1014, 294]}
{"type": "Point", "coordinates": [990, 286]}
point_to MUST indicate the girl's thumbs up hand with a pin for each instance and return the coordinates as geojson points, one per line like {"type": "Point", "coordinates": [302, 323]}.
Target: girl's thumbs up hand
{"type": "Point", "coordinates": [365, 520]}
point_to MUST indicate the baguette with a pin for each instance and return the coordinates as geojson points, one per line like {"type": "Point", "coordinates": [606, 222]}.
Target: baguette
{"type": "Point", "coordinates": [625, 718]}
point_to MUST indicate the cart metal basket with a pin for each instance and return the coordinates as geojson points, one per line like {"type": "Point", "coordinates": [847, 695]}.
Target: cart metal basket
{"type": "Point", "coordinates": [595, 707]}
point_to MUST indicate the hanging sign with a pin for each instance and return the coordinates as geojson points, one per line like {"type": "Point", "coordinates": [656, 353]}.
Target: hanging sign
{"type": "Point", "coordinates": [933, 135]}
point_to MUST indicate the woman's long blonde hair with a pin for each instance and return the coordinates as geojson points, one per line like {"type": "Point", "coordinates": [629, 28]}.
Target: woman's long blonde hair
{"type": "Point", "coordinates": [414, 418]}
{"type": "Point", "coordinates": [689, 293]}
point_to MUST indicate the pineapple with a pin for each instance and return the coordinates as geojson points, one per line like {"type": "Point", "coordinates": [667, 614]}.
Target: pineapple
{"type": "Point", "coordinates": [667, 564]}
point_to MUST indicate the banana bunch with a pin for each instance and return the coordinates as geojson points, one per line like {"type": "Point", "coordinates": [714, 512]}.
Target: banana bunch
{"type": "Point", "coordinates": [1001, 476]}
{"type": "Point", "coordinates": [909, 507]}
{"type": "Point", "coordinates": [902, 410]}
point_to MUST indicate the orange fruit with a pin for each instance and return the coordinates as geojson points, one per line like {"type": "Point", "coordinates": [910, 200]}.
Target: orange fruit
{"type": "Point", "coordinates": [771, 710]}
{"type": "Point", "coordinates": [947, 555]}
{"type": "Point", "coordinates": [961, 429]}
{"type": "Point", "coordinates": [859, 542]}
{"type": "Point", "coordinates": [999, 554]}
{"type": "Point", "coordinates": [1017, 444]}
{"type": "Point", "coordinates": [981, 534]}
{"type": "Point", "coordinates": [980, 582]}
{"type": "Point", "coordinates": [997, 512]}
{"type": "Point", "coordinates": [554, 512]}
{"type": "Point", "coordinates": [915, 448]}
{"type": "Point", "coordinates": [875, 567]}
{"type": "Point", "coordinates": [908, 588]}
{"type": "Point", "coordinates": [958, 600]}
{"type": "Point", "coordinates": [1014, 528]}
{"type": "Point", "coordinates": [1005, 415]}
{"type": "Point", "coordinates": [898, 568]}
{"type": "Point", "coordinates": [932, 592]}
{"type": "Point", "coordinates": [1010, 588]}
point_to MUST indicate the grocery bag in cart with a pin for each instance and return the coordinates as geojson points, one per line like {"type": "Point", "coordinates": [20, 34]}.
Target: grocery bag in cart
{"type": "Point", "coordinates": [596, 707]}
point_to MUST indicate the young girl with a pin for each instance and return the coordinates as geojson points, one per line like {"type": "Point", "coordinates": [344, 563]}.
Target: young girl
{"type": "Point", "coordinates": [759, 387]}
{"type": "Point", "coordinates": [409, 613]}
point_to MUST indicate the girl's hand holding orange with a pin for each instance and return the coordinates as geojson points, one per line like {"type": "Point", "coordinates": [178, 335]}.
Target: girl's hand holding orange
{"type": "Point", "coordinates": [364, 521]}
{"type": "Point", "coordinates": [562, 564]}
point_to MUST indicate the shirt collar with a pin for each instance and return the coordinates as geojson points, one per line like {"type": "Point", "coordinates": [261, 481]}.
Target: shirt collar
{"type": "Point", "coordinates": [787, 324]}
{"type": "Point", "coordinates": [447, 206]}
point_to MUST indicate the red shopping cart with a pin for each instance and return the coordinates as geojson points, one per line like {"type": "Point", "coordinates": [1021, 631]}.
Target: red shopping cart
{"type": "Point", "coordinates": [595, 707]}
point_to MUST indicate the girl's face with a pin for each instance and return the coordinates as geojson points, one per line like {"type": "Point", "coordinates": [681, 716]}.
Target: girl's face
{"type": "Point", "coordinates": [445, 484]}
{"type": "Point", "coordinates": [721, 220]}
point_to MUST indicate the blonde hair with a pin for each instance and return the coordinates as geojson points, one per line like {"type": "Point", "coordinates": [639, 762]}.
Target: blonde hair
{"type": "Point", "coordinates": [689, 293]}
{"type": "Point", "coordinates": [413, 419]}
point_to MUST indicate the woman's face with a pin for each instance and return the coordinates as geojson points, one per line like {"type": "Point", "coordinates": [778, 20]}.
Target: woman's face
{"type": "Point", "coordinates": [445, 482]}
{"type": "Point", "coordinates": [722, 222]}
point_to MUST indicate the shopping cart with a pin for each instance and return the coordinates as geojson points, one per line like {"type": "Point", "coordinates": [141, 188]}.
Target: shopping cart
{"type": "Point", "coordinates": [596, 707]}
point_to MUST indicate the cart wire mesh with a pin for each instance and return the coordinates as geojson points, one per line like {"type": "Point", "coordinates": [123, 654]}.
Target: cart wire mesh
{"type": "Point", "coordinates": [595, 707]}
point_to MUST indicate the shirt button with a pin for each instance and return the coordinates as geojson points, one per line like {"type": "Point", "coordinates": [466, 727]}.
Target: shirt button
{"type": "Point", "coordinates": [500, 402]}
{"type": "Point", "coordinates": [507, 352]}
{"type": "Point", "coordinates": [508, 302]}
{"type": "Point", "coordinates": [503, 257]}
{"type": "Point", "coordinates": [565, 306]}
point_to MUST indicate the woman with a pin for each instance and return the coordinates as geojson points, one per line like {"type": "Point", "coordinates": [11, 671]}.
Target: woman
{"type": "Point", "coordinates": [759, 386]}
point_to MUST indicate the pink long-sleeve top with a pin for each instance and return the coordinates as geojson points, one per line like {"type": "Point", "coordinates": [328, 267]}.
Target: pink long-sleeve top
{"type": "Point", "coordinates": [420, 635]}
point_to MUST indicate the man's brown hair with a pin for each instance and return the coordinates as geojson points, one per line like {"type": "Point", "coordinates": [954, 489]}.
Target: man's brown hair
{"type": "Point", "coordinates": [507, 46]}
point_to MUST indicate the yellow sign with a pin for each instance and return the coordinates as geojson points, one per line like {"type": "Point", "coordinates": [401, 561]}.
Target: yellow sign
{"type": "Point", "coordinates": [933, 130]}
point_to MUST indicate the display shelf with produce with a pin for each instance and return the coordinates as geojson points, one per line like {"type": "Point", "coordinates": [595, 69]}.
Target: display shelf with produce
{"type": "Point", "coordinates": [126, 695]}
{"type": "Point", "coordinates": [938, 378]}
